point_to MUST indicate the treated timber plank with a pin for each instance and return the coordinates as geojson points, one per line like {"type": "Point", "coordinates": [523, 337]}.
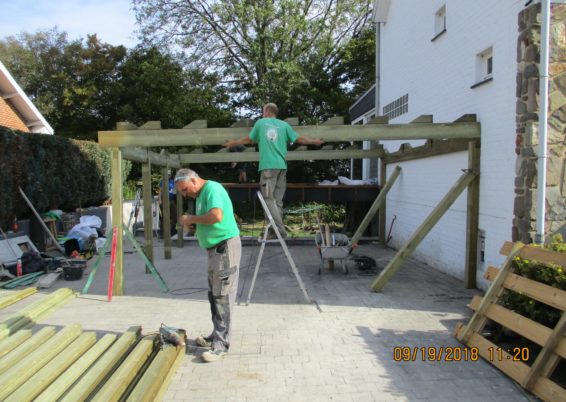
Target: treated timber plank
{"type": "Point", "coordinates": [545, 355]}
{"type": "Point", "coordinates": [41, 380]}
{"type": "Point", "coordinates": [250, 155]}
{"type": "Point", "coordinates": [32, 312]}
{"type": "Point", "coordinates": [478, 319]}
{"type": "Point", "coordinates": [292, 121]}
{"type": "Point", "coordinates": [523, 326]}
{"type": "Point", "coordinates": [407, 249]}
{"type": "Point", "coordinates": [375, 206]}
{"type": "Point", "coordinates": [147, 388]}
{"type": "Point", "coordinates": [121, 378]}
{"type": "Point", "coordinates": [117, 218]}
{"type": "Point", "coordinates": [31, 364]}
{"type": "Point", "coordinates": [103, 367]}
{"type": "Point", "coordinates": [16, 296]}
{"type": "Point", "coordinates": [423, 118]}
{"type": "Point", "coordinates": [537, 254]}
{"type": "Point", "coordinates": [334, 121]}
{"type": "Point", "coordinates": [341, 133]}
{"type": "Point", "coordinates": [12, 342]}
{"type": "Point", "coordinates": [546, 294]}
{"type": "Point", "coordinates": [472, 216]}
{"type": "Point", "coordinates": [543, 387]}
{"type": "Point", "coordinates": [172, 369]}
{"type": "Point", "coordinates": [54, 391]}
{"type": "Point", "coordinates": [24, 349]}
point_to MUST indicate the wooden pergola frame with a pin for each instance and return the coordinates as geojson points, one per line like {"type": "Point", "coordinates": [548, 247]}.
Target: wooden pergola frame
{"type": "Point", "coordinates": [131, 142]}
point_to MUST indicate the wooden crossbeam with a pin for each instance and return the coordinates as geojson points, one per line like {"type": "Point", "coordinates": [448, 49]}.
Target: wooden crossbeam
{"type": "Point", "coordinates": [293, 121]}
{"type": "Point", "coordinates": [143, 155]}
{"type": "Point", "coordinates": [252, 156]}
{"type": "Point", "coordinates": [429, 149]}
{"type": "Point", "coordinates": [408, 248]}
{"type": "Point", "coordinates": [330, 133]}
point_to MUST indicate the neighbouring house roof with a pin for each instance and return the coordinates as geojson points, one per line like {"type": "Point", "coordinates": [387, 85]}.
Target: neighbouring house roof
{"type": "Point", "coordinates": [13, 94]}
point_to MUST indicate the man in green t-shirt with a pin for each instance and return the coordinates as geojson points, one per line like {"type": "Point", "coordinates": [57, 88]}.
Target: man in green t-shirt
{"type": "Point", "coordinates": [272, 136]}
{"type": "Point", "coordinates": [218, 233]}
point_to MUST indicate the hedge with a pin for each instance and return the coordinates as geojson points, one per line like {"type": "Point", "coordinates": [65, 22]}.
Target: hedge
{"type": "Point", "coordinates": [54, 172]}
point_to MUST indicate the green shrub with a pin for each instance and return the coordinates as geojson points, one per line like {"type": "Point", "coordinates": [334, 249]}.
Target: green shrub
{"type": "Point", "coordinates": [54, 172]}
{"type": "Point", "coordinates": [549, 274]}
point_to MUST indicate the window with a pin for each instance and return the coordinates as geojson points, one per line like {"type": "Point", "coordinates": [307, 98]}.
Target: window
{"type": "Point", "coordinates": [439, 22]}
{"type": "Point", "coordinates": [484, 67]}
{"type": "Point", "coordinates": [396, 108]}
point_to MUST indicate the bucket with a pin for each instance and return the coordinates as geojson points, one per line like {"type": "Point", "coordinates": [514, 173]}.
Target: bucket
{"type": "Point", "coordinates": [73, 269]}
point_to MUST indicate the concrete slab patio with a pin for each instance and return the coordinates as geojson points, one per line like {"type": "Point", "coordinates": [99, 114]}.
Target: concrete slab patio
{"type": "Point", "coordinates": [286, 350]}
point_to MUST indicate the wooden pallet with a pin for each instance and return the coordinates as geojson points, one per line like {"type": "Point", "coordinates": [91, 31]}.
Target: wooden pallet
{"type": "Point", "coordinates": [535, 378]}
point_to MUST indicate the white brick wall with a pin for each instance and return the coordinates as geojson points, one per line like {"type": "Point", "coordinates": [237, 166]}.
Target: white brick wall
{"type": "Point", "coordinates": [437, 76]}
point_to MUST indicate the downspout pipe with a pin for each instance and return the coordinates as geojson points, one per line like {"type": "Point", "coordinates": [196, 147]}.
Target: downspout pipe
{"type": "Point", "coordinates": [377, 67]}
{"type": "Point", "coordinates": [543, 120]}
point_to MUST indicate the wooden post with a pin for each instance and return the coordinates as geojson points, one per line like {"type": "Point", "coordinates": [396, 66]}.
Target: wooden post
{"type": "Point", "coordinates": [117, 220]}
{"type": "Point", "coordinates": [472, 216]}
{"type": "Point", "coordinates": [375, 206]}
{"type": "Point", "coordinates": [382, 210]}
{"type": "Point", "coordinates": [147, 212]}
{"type": "Point", "coordinates": [166, 216]}
{"type": "Point", "coordinates": [180, 229]}
{"type": "Point", "coordinates": [405, 252]}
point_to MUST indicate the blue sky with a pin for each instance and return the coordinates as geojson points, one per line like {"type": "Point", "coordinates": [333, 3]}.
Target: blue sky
{"type": "Point", "coordinates": [112, 20]}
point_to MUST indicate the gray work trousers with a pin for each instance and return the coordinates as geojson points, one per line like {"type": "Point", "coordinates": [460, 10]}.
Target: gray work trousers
{"type": "Point", "coordinates": [273, 183]}
{"type": "Point", "coordinates": [223, 271]}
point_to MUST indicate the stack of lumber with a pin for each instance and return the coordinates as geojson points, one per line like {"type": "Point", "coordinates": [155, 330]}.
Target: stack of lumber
{"type": "Point", "coordinates": [67, 364]}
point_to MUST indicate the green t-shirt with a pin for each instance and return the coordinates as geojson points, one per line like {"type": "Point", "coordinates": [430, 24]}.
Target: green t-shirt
{"type": "Point", "coordinates": [272, 135]}
{"type": "Point", "coordinates": [214, 195]}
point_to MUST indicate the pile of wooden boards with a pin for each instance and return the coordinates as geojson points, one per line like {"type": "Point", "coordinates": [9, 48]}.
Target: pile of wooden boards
{"type": "Point", "coordinates": [67, 364]}
{"type": "Point", "coordinates": [513, 362]}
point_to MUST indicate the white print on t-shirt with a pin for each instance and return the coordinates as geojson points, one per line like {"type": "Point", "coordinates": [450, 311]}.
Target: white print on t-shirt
{"type": "Point", "coordinates": [271, 134]}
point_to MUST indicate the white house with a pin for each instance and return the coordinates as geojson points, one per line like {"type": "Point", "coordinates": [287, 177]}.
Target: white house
{"type": "Point", "coordinates": [449, 58]}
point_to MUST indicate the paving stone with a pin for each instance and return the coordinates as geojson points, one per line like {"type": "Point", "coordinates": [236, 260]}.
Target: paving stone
{"type": "Point", "coordinates": [284, 349]}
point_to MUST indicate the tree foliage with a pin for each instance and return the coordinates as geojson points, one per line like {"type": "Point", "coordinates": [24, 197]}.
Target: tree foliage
{"type": "Point", "coordinates": [282, 51]}
{"type": "Point", "coordinates": [83, 87]}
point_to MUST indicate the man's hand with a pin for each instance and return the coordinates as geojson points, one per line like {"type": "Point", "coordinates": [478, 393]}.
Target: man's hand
{"type": "Point", "coordinates": [230, 143]}
{"type": "Point", "coordinates": [187, 220]}
{"type": "Point", "coordinates": [317, 141]}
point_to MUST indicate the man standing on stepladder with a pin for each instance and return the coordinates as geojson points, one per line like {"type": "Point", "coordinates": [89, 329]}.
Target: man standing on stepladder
{"type": "Point", "coordinates": [218, 233]}
{"type": "Point", "coordinates": [272, 135]}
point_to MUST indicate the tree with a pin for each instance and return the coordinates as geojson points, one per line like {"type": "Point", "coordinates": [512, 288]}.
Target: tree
{"type": "Point", "coordinates": [70, 83]}
{"type": "Point", "coordinates": [154, 86]}
{"type": "Point", "coordinates": [262, 49]}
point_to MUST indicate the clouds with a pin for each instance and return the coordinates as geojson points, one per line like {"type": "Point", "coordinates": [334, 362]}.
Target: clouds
{"type": "Point", "coordinates": [112, 20]}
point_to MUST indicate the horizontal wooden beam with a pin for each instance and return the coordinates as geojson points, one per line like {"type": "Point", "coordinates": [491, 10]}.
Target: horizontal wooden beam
{"type": "Point", "coordinates": [329, 133]}
{"type": "Point", "coordinates": [431, 148]}
{"type": "Point", "coordinates": [224, 157]}
{"type": "Point", "coordinates": [143, 155]}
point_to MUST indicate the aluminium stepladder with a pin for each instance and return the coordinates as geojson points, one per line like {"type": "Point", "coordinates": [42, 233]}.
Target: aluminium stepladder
{"type": "Point", "coordinates": [285, 249]}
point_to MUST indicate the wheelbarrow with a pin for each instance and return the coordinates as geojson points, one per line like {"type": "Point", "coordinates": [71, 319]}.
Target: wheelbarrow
{"type": "Point", "coordinates": [337, 249]}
